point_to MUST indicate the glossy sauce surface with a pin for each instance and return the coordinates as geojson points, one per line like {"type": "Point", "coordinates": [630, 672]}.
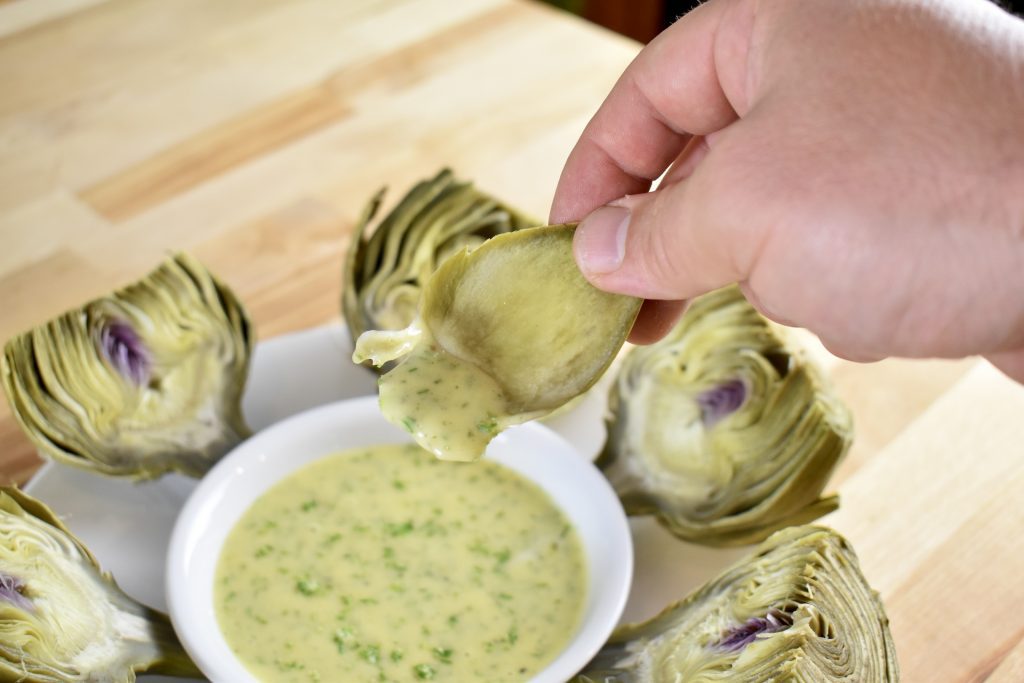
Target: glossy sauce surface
{"type": "Point", "coordinates": [472, 409]}
{"type": "Point", "coordinates": [386, 564]}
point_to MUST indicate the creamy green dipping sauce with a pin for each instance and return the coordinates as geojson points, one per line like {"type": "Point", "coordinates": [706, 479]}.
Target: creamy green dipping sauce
{"type": "Point", "coordinates": [451, 430]}
{"type": "Point", "coordinates": [386, 564]}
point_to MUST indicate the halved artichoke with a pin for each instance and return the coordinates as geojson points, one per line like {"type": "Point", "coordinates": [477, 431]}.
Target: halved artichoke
{"type": "Point", "coordinates": [62, 619]}
{"type": "Point", "coordinates": [386, 270]}
{"type": "Point", "coordinates": [506, 333]}
{"type": "Point", "coordinates": [798, 609]}
{"type": "Point", "coordinates": [723, 429]}
{"type": "Point", "coordinates": [141, 382]}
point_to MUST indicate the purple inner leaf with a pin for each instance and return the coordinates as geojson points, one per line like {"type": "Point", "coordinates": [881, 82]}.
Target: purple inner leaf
{"type": "Point", "coordinates": [125, 351]}
{"type": "Point", "coordinates": [737, 638]}
{"type": "Point", "coordinates": [722, 401]}
{"type": "Point", "coordinates": [11, 589]}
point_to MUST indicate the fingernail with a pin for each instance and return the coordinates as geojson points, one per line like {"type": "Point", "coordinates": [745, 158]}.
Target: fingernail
{"type": "Point", "coordinates": [600, 240]}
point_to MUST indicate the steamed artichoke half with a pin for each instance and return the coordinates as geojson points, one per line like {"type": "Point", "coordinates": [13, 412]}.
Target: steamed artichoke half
{"type": "Point", "coordinates": [722, 429]}
{"type": "Point", "coordinates": [506, 333]}
{"type": "Point", "coordinates": [798, 610]}
{"type": "Point", "coordinates": [386, 270]}
{"type": "Point", "coordinates": [141, 382]}
{"type": "Point", "coordinates": [62, 619]}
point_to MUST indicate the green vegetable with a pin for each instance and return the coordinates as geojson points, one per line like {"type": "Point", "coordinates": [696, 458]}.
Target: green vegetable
{"type": "Point", "coordinates": [424, 672]}
{"type": "Point", "coordinates": [798, 610]}
{"type": "Point", "coordinates": [64, 620]}
{"type": "Point", "coordinates": [514, 332]}
{"type": "Point", "coordinates": [138, 383]}
{"type": "Point", "coordinates": [388, 265]}
{"type": "Point", "coordinates": [723, 430]}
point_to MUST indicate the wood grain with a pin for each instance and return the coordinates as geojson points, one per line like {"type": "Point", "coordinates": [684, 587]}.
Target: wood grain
{"type": "Point", "coordinates": [213, 152]}
{"type": "Point", "coordinates": [17, 15]}
{"type": "Point", "coordinates": [1011, 669]}
{"type": "Point", "coordinates": [251, 132]}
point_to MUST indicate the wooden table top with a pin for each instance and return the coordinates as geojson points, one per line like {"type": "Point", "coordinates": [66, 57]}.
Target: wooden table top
{"type": "Point", "coordinates": [251, 132]}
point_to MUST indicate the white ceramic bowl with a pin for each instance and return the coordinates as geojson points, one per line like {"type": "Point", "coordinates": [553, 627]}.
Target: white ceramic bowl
{"type": "Point", "coordinates": [534, 451]}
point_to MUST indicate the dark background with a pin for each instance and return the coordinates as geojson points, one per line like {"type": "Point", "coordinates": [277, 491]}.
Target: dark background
{"type": "Point", "coordinates": [644, 19]}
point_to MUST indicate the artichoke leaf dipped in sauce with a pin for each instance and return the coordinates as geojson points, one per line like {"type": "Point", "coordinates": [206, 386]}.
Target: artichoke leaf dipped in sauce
{"type": "Point", "coordinates": [797, 610]}
{"type": "Point", "coordinates": [723, 429]}
{"type": "Point", "coordinates": [505, 333]}
{"type": "Point", "coordinates": [388, 265]}
{"type": "Point", "coordinates": [144, 381]}
{"type": "Point", "coordinates": [64, 620]}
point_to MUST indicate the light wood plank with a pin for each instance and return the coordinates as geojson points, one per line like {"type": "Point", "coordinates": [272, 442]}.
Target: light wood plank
{"type": "Point", "coordinates": [122, 82]}
{"type": "Point", "coordinates": [20, 15]}
{"type": "Point", "coordinates": [1011, 670]}
{"type": "Point", "coordinates": [935, 518]}
{"type": "Point", "coordinates": [914, 493]}
{"type": "Point", "coordinates": [213, 152]}
{"type": "Point", "coordinates": [876, 395]}
{"type": "Point", "coordinates": [287, 263]}
{"type": "Point", "coordinates": [61, 217]}
{"type": "Point", "coordinates": [966, 595]}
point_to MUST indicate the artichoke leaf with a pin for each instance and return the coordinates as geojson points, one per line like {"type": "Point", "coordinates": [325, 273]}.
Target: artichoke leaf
{"type": "Point", "coordinates": [799, 609]}
{"type": "Point", "coordinates": [141, 382]}
{"type": "Point", "coordinates": [506, 333]}
{"type": "Point", "coordinates": [724, 430]}
{"type": "Point", "coordinates": [64, 620]}
{"type": "Point", "coordinates": [388, 264]}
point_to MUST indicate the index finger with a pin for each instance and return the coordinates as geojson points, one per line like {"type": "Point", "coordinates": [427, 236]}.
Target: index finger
{"type": "Point", "coordinates": [670, 92]}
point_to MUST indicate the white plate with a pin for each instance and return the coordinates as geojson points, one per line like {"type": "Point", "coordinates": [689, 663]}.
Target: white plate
{"type": "Point", "coordinates": [128, 525]}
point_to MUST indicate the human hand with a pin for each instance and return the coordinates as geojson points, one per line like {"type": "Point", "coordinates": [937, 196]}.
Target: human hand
{"type": "Point", "coordinates": [857, 166]}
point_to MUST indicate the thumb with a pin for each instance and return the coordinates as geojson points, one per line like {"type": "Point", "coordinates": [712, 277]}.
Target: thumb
{"type": "Point", "coordinates": [1011, 363]}
{"type": "Point", "coordinates": [668, 244]}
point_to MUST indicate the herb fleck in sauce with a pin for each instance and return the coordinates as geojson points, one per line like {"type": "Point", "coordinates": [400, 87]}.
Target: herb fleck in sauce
{"type": "Point", "coordinates": [461, 573]}
{"type": "Point", "coordinates": [460, 430]}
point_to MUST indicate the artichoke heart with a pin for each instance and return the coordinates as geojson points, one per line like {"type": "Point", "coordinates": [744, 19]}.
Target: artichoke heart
{"type": "Point", "coordinates": [141, 382]}
{"type": "Point", "coordinates": [798, 610]}
{"type": "Point", "coordinates": [723, 430]}
{"type": "Point", "coordinates": [62, 619]}
{"type": "Point", "coordinates": [505, 333]}
{"type": "Point", "coordinates": [385, 271]}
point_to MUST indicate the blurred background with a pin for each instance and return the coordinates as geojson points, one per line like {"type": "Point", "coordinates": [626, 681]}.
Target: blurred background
{"type": "Point", "coordinates": [643, 19]}
{"type": "Point", "coordinates": [639, 19]}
